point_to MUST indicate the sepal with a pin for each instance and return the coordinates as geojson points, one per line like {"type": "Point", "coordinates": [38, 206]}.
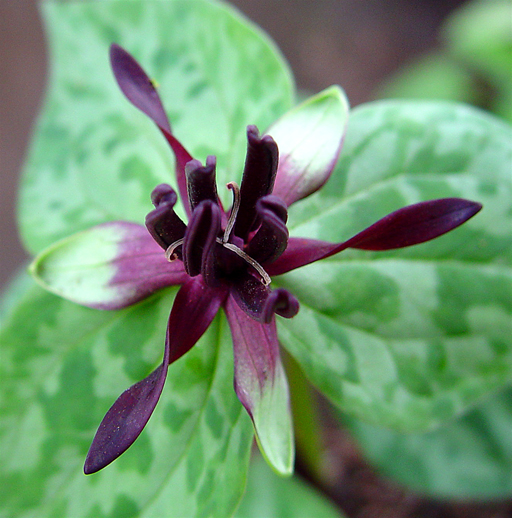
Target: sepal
{"type": "Point", "coordinates": [309, 137]}
{"type": "Point", "coordinates": [110, 266]}
{"type": "Point", "coordinates": [193, 310]}
{"type": "Point", "coordinates": [262, 387]}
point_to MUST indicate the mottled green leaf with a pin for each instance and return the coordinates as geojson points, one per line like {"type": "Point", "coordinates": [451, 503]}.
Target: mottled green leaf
{"type": "Point", "coordinates": [271, 496]}
{"type": "Point", "coordinates": [63, 366]}
{"type": "Point", "coordinates": [409, 338]}
{"type": "Point", "coordinates": [94, 157]}
{"type": "Point", "coordinates": [468, 458]}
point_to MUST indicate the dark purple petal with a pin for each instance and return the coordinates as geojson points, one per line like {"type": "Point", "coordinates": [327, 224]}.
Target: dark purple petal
{"type": "Point", "coordinates": [300, 252]}
{"type": "Point", "coordinates": [201, 183]}
{"type": "Point", "coordinates": [194, 309]}
{"type": "Point", "coordinates": [126, 418]}
{"type": "Point", "coordinates": [141, 92]}
{"type": "Point", "coordinates": [258, 178]}
{"type": "Point", "coordinates": [415, 224]}
{"type": "Point", "coordinates": [164, 225]}
{"type": "Point", "coordinates": [271, 238]}
{"type": "Point", "coordinates": [261, 386]}
{"type": "Point", "coordinates": [260, 302]}
{"type": "Point", "coordinates": [137, 86]}
{"type": "Point", "coordinates": [408, 226]}
{"type": "Point", "coordinates": [250, 295]}
{"type": "Point", "coordinates": [200, 239]}
{"type": "Point", "coordinates": [281, 302]}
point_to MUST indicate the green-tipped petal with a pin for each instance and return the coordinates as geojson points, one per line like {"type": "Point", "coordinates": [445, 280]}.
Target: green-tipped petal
{"type": "Point", "coordinates": [262, 387]}
{"type": "Point", "coordinates": [109, 266]}
{"type": "Point", "coordinates": [309, 138]}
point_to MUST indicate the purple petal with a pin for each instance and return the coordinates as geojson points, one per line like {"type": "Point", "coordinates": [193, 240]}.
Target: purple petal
{"type": "Point", "coordinates": [408, 226]}
{"type": "Point", "coordinates": [183, 157]}
{"type": "Point", "coordinates": [109, 266]}
{"type": "Point", "coordinates": [300, 252]}
{"type": "Point", "coordinates": [137, 86]}
{"type": "Point", "coordinates": [201, 184]}
{"type": "Point", "coordinates": [258, 178]}
{"type": "Point", "coordinates": [141, 92]}
{"type": "Point", "coordinates": [194, 308]}
{"type": "Point", "coordinates": [271, 238]}
{"type": "Point", "coordinates": [126, 418]}
{"type": "Point", "coordinates": [163, 223]}
{"type": "Point", "coordinates": [415, 224]}
{"type": "Point", "coordinates": [261, 386]}
{"type": "Point", "coordinates": [200, 239]}
{"type": "Point", "coordinates": [260, 303]}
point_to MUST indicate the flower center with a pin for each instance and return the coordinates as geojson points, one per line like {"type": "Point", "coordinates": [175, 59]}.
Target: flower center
{"type": "Point", "coordinates": [265, 279]}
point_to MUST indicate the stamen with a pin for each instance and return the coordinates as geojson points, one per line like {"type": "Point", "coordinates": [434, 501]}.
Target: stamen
{"type": "Point", "coordinates": [265, 278]}
{"type": "Point", "coordinates": [234, 211]}
{"type": "Point", "coordinates": [169, 253]}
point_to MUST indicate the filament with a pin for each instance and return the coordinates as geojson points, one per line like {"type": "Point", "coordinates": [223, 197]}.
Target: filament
{"type": "Point", "coordinates": [234, 211]}
{"type": "Point", "coordinates": [265, 278]}
{"type": "Point", "coordinates": [169, 253]}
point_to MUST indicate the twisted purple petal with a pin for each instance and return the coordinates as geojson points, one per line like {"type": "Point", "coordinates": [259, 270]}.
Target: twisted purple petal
{"type": "Point", "coordinates": [408, 226]}
{"type": "Point", "coordinates": [271, 238]}
{"type": "Point", "coordinates": [141, 92]}
{"type": "Point", "coordinates": [194, 308]}
{"type": "Point", "coordinates": [164, 225]}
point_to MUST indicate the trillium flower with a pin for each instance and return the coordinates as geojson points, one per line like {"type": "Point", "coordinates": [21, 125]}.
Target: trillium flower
{"type": "Point", "coordinates": [223, 259]}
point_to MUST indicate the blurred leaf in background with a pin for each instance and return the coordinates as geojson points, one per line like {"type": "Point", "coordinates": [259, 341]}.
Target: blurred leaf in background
{"type": "Point", "coordinates": [470, 458]}
{"type": "Point", "coordinates": [271, 496]}
{"type": "Point", "coordinates": [473, 63]}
